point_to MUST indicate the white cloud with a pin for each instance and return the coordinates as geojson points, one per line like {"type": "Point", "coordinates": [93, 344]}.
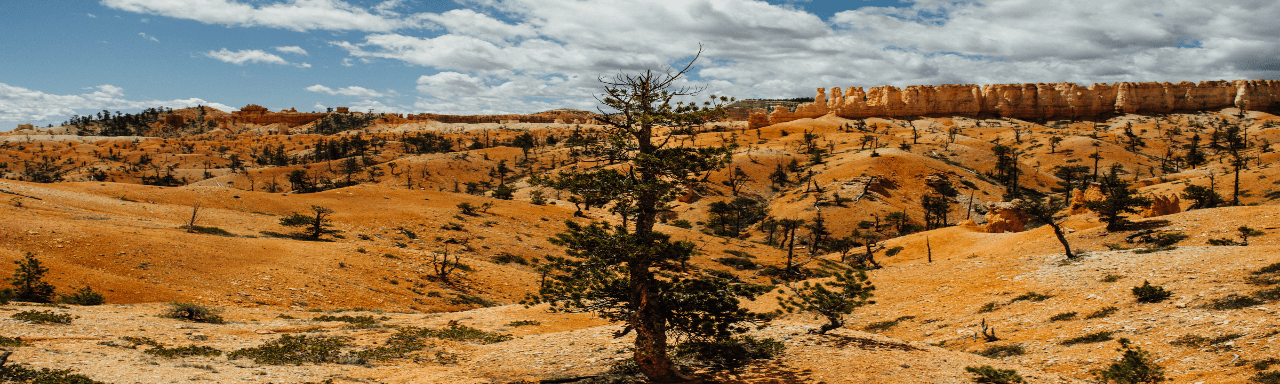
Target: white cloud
{"type": "Point", "coordinates": [148, 37]}
{"type": "Point", "coordinates": [297, 15]}
{"type": "Point", "coordinates": [292, 49]}
{"type": "Point", "coordinates": [318, 107]}
{"type": "Point", "coordinates": [528, 55]}
{"type": "Point", "coordinates": [348, 91]}
{"type": "Point", "coordinates": [250, 56]}
{"type": "Point", "coordinates": [22, 105]}
{"type": "Point", "coordinates": [92, 15]}
{"type": "Point", "coordinates": [245, 56]}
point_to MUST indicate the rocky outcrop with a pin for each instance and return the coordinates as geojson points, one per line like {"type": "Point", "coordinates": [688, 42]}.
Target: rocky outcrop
{"type": "Point", "coordinates": [1163, 205]}
{"type": "Point", "coordinates": [1006, 217]}
{"type": "Point", "coordinates": [1032, 101]}
{"type": "Point", "coordinates": [1078, 198]}
{"type": "Point", "coordinates": [259, 115]}
{"type": "Point", "coordinates": [549, 117]}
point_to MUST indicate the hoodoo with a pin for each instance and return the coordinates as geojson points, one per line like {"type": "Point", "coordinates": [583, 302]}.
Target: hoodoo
{"type": "Point", "coordinates": [1028, 101]}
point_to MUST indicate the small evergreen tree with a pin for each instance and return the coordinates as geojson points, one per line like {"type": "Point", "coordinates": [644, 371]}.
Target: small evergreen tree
{"type": "Point", "coordinates": [1046, 211]}
{"type": "Point", "coordinates": [832, 300]}
{"type": "Point", "coordinates": [27, 281]}
{"type": "Point", "coordinates": [316, 225]}
{"type": "Point", "coordinates": [1119, 201]}
{"type": "Point", "coordinates": [1201, 197]}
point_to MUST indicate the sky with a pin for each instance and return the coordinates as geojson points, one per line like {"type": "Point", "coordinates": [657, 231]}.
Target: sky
{"type": "Point", "coordinates": [526, 56]}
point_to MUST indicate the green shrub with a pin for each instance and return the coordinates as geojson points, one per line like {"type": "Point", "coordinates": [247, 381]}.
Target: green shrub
{"type": "Point", "coordinates": [727, 354]}
{"type": "Point", "coordinates": [507, 258]}
{"type": "Point", "coordinates": [739, 263]}
{"type": "Point", "coordinates": [465, 299]}
{"type": "Point", "coordinates": [366, 321]}
{"type": "Point", "coordinates": [1273, 268]}
{"type": "Point", "coordinates": [1030, 296]}
{"type": "Point", "coordinates": [681, 223]}
{"type": "Point", "coordinates": [989, 307]}
{"type": "Point", "coordinates": [1096, 337]}
{"type": "Point", "coordinates": [464, 333]}
{"type": "Point", "coordinates": [17, 342]}
{"type": "Point", "coordinates": [43, 317]}
{"type": "Point", "coordinates": [290, 349]}
{"type": "Point", "coordinates": [27, 281]}
{"type": "Point", "coordinates": [1111, 278]}
{"type": "Point", "coordinates": [209, 230]}
{"type": "Point", "coordinates": [989, 374]}
{"type": "Point", "coordinates": [1063, 316]}
{"type": "Point", "coordinates": [1135, 366]}
{"type": "Point", "coordinates": [1148, 293]}
{"type": "Point", "coordinates": [187, 351]}
{"type": "Point", "coordinates": [19, 373]}
{"type": "Point", "coordinates": [1103, 312]}
{"type": "Point", "coordinates": [1272, 377]}
{"type": "Point", "coordinates": [193, 312]}
{"type": "Point", "coordinates": [1265, 364]}
{"type": "Point", "coordinates": [83, 296]}
{"type": "Point", "coordinates": [998, 351]}
{"type": "Point", "coordinates": [521, 323]}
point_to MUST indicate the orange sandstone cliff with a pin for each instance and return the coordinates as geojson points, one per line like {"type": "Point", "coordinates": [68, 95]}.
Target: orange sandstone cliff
{"type": "Point", "coordinates": [1029, 101]}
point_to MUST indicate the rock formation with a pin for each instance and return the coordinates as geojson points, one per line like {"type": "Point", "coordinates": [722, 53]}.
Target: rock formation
{"type": "Point", "coordinates": [1163, 205]}
{"type": "Point", "coordinates": [1006, 217]}
{"type": "Point", "coordinates": [259, 115]}
{"type": "Point", "coordinates": [561, 116]}
{"type": "Point", "coordinates": [1029, 101]}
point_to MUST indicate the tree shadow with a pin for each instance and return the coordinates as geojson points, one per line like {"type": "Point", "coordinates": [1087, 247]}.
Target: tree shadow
{"type": "Point", "coordinates": [1144, 225]}
{"type": "Point", "coordinates": [843, 341]}
{"type": "Point", "coordinates": [766, 371]}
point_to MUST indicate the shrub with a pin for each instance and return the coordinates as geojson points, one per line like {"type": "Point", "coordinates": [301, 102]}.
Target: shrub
{"type": "Point", "coordinates": [27, 282]}
{"type": "Point", "coordinates": [187, 351]}
{"type": "Point", "coordinates": [290, 349]}
{"type": "Point", "coordinates": [1273, 268]}
{"type": "Point", "coordinates": [998, 351]}
{"type": "Point", "coordinates": [833, 300]}
{"type": "Point", "coordinates": [208, 230]}
{"type": "Point", "coordinates": [1063, 316]}
{"type": "Point", "coordinates": [365, 321]}
{"type": "Point", "coordinates": [739, 263]}
{"type": "Point", "coordinates": [17, 342]}
{"type": "Point", "coordinates": [193, 312]}
{"type": "Point", "coordinates": [1135, 366]}
{"type": "Point", "coordinates": [1111, 278]}
{"type": "Point", "coordinates": [989, 374]}
{"type": "Point", "coordinates": [521, 323]}
{"type": "Point", "coordinates": [1102, 312]}
{"type": "Point", "coordinates": [1096, 337]}
{"type": "Point", "coordinates": [1148, 293]}
{"type": "Point", "coordinates": [1031, 296]}
{"type": "Point", "coordinates": [83, 296]}
{"type": "Point", "coordinates": [19, 373]}
{"type": "Point", "coordinates": [1272, 377]}
{"type": "Point", "coordinates": [989, 307]}
{"type": "Point", "coordinates": [43, 317]}
{"type": "Point", "coordinates": [464, 299]}
{"type": "Point", "coordinates": [681, 223]}
{"type": "Point", "coordinates": [728, 354]}
{"type": "Point", "coordinates": [507, 258]}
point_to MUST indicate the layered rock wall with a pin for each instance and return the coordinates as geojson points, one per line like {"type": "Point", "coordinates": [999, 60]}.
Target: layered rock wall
{"type": "Point", "coordinates": [258, 115]}
{"type": "Point", "coordinates": [1030, 101]}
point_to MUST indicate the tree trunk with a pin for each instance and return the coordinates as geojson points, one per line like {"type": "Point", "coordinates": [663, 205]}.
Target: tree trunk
{"type": "Point", "coordinates": [1057, 231]}
{"type": "Point", "coordinates": [1235, 193]}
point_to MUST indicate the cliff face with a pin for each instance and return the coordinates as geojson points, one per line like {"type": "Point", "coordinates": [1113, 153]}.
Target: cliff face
{"type": "Point", "coordinates": [255, 114]}
{"type": "Point", "coordinates": [1030, 101]}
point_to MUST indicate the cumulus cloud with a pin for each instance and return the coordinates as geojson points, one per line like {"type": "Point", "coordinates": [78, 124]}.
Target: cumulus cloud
{"type": "Point", "coordinates": [297, 15]}
{"type": "Point", "coordinates": [148, 37]}
{"type": "Point", "coordinates": [22, 105]}
{"type": "Point", "coordinates": [292, 49]}
{"type": "Point", "coordinates": [250, 56]}
{"type": "Point", "coordinates": [347, 91]}
{"type": "Point", "coordinates": [528, 55]}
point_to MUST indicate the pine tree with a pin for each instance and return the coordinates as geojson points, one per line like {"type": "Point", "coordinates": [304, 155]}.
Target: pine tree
{"type": "Point", "coordinates": [613, 270]}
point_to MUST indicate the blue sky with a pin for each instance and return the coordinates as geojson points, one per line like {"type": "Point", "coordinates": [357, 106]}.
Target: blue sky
{"type": "Point", "coordinates": [523, 56]}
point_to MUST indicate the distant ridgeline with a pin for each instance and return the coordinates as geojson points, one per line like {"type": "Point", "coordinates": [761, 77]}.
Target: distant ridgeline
{"type": "Point", "coordinates": [1021, 101]}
